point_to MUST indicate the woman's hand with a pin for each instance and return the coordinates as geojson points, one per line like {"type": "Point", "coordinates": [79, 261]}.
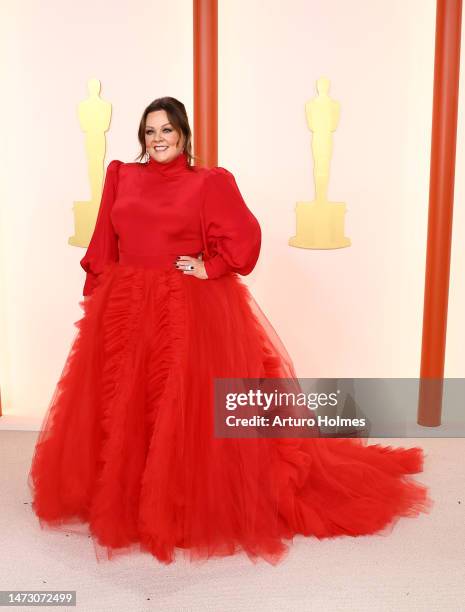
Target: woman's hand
{"type": "Point", "coordinates": [184, 261]}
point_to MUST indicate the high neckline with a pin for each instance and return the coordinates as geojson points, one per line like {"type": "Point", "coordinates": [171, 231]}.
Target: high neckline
{"type": "Point", "coordinates": [177, 165]}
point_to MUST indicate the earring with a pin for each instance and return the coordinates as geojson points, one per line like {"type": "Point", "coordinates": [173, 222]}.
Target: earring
{"type": "Point", "coordinates": [147, 157]}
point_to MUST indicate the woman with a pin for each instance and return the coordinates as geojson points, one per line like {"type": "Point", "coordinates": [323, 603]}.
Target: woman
{"type": "Point", "coordinates": [128, 445]}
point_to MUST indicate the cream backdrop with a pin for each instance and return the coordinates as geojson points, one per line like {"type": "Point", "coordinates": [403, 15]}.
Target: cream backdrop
{"type": "Point", "coordinates": [354, 312]}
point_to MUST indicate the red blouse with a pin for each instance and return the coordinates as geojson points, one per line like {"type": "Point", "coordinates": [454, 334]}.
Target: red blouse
{"type": "Point", "coordinates": [151, 213]}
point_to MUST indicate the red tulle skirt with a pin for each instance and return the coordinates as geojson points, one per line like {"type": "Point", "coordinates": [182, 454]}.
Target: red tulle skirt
{"type": "Point", "coordinates": [127, 447]}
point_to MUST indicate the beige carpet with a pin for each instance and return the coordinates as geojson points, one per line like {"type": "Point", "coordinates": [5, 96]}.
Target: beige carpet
{"type": "Point", "coordinates": [419, 566]}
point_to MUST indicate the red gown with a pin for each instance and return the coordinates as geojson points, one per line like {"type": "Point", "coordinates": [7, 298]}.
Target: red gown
{"type": "Point", "coordinates": [127, 444]}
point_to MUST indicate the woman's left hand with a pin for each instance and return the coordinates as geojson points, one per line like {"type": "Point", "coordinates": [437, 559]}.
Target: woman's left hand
{"type": "Point", "coordinates": [184, 261]}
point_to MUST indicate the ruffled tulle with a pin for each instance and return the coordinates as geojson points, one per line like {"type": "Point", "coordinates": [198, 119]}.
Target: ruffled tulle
{"type": "Point", "coordinates": [127, 445]}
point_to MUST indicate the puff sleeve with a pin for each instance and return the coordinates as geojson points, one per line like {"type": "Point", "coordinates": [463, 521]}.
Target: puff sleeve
{"type": "Point", "coordinates": [232, 234]}
{"type": "Point", "coordinates": [103, 246]}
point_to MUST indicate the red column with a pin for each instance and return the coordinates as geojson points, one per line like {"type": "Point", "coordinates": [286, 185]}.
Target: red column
{"type": "Point", "coordinates": [206, 81]}
{"type": "Point", "coordinates": [441, 199]}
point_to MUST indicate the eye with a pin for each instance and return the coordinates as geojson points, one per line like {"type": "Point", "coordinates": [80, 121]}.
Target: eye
{"type": "Point", "coordinates": [165, 130]}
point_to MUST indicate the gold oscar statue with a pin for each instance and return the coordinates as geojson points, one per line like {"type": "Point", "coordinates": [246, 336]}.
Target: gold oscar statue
{"type": "Point", "coordinates": [94, 117]}
{"type": "Point", "coordinates": [320, 224]}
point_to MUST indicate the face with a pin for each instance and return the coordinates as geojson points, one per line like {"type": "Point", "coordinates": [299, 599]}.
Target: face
{"type": "Point", "coordinates": [160, 133]}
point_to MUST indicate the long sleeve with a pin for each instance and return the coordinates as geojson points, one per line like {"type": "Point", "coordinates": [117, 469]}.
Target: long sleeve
{"type": "Point", "coordinates": [231, 232]}
{"type": "Point", "coordinates": [103, 246]}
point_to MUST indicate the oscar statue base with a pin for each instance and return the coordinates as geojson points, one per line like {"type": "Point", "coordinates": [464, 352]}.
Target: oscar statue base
{"type": "Point", "coordinates": [320, 225]}
{"type": "Point", "coordinates": [85, 217]}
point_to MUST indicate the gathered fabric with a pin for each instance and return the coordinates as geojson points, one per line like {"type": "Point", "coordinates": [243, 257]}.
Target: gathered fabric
{"type": "Point", "coordinates": [128, 443]}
